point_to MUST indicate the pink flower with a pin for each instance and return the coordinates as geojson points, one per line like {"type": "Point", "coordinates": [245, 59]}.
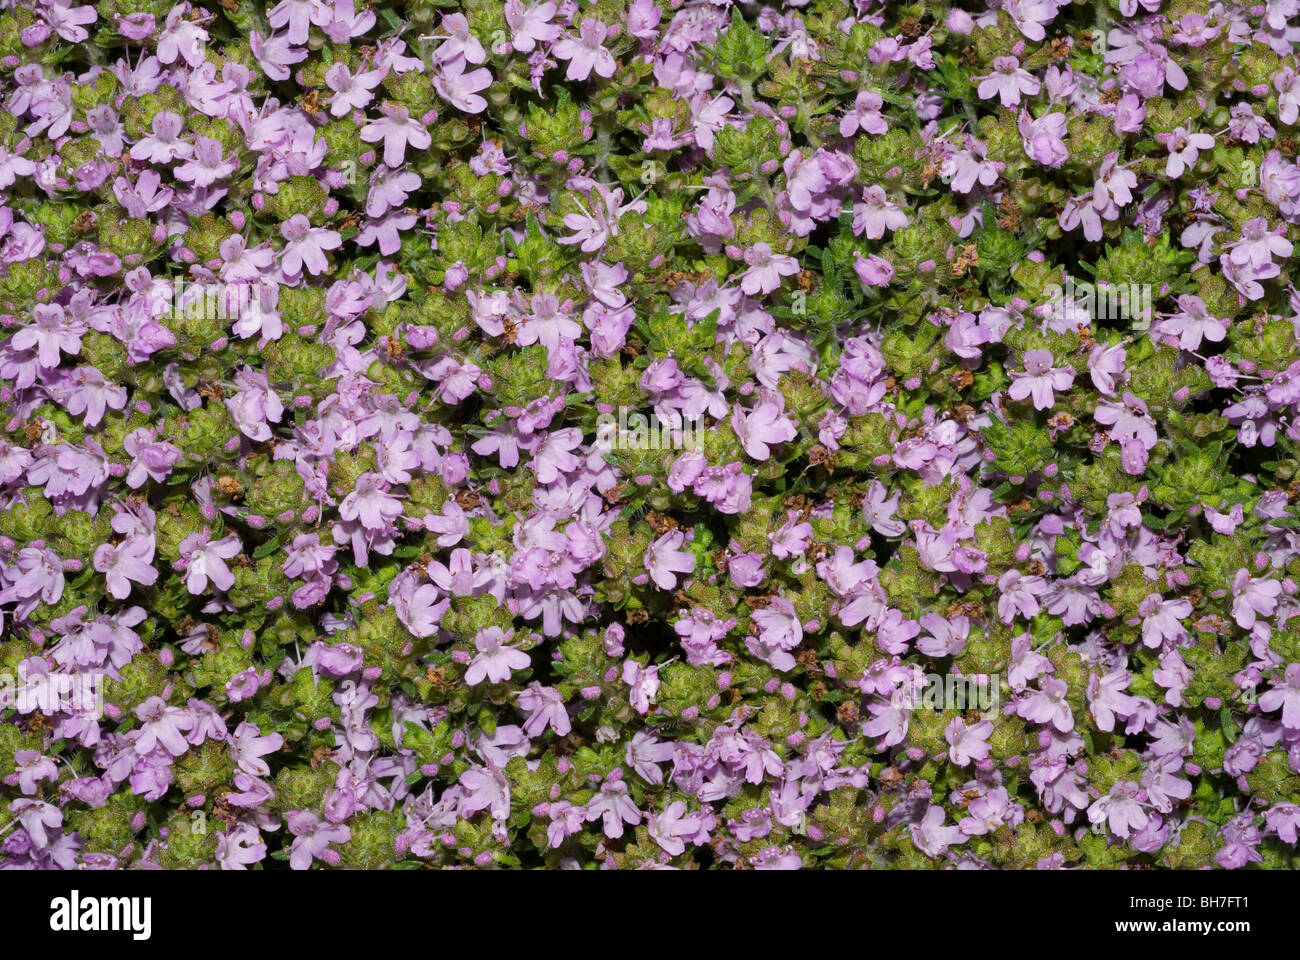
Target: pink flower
{"type": "Point", "coordinates": [875, 214]}
{"type": "Point", "coordinates": [208, 165]}
{"type": "Point", "coordinates": [779, 632]}
{"type": "Point", "coordinates": [592, 229]}
{"type": "Point", "coordinates": [421, 610]}
{"type": "Point", "coordinates": [398, 130]}
{"type": "Point", "coordinates": [585, 52]}
{"type": "Point", "coordinates": [306, 246]}
{"type": "Point", "coordinates": [351, 91]}
{"type": "Point", "coordinates": [1048, 705]}
{"type": "Point", "coordinates": [530, 26]}
{"type": "Point", "coordinates": [674, 826]}
{"type": "Point", "coordinates": [765, 424]}
{"type": "Point", "coordinates": [944, 638]}
{"type": "Point", "coordinates": [873, 270]}
{"type": "Point", "coordinates": [766, 269]}
{"type": "Point", "coordinates": [49, 334]}
{"type": "Point", "coordinates": [614, 807]}
{"type": "Point", "coordinates": [370, 503]}
{"type": "Point", "coordinates": [496, 659]}
{"type": "Point", "coordinates": [204, 559]}
{"type": "Point", "coordinates": [1253, 598]}
{"type": "Point", "coordinates": [643, 685]}
{"type": "Point", "coordinates": [312, 838]}
{"type": "Point", "coordinates": [967, 743]}
{"type": "Point", "coordinates": [545, 708]}
{"type": "Point", "coordinates": [164, 144]}
{"type": "Point", "coordinates": [254, 404]}
{"type": "Point", "coordinates": [553, 456]}
{"type": "Point", "coordinates": [865, 115]}
{"type": "Point", "coordinates": [1007, 82]}
{"type": "Point", "coordinates": [1043, 138]}
{"type": "Point", "coordinates": [126, 562]}
{"type": "Point", "coordinates": [460, 89]}
{"type": "Point", "coordinates": [1121, 809]}
{"type": "Point", "coordinates": [1192, 322]}
{"type": "Point", "coordinates": [1285, 696]}
{"type": "Point", "coordinates": [1039, 379]}
{"type": "Point", "coordinates": [664, 559]}
{"type": "Point", "coordinates": [930, 835]}
{"type": "Point", "coordinates": [1184, 148]}
{"type": "Point", "coordinates": [161, 726]}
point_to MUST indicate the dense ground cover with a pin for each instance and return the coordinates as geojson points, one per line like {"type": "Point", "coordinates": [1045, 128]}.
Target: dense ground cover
{"type": "Point", "coordinates": [622, 435]}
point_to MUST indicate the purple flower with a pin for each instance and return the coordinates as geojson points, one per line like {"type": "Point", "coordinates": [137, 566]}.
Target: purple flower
{"type": "Point", "coordinates": [1285, 696]}
{"type": "Point", "coordinates": [1253, 598]}
{"type": "Point", "coordinates": [779, 632]}
{"type": "Point", "coordinates": [967, 743]}
{"type": "Point", "coordinates": [1043, 138]}
{"type": "Point", "coordinates": [873, 270]}
{"type": "Point", "coordinates": [1040, 379]}
{"type": "Point", "coordinates": [460, 89]}
{"type": "Point", "coordinates": [397, 129]}
{"type": "Point", "coordinates": [765, 424]}
{"type": "Point", "coordinates": [496, 659]}
{"type": "Point", "coordinates": [1120, 810]}
{"type": "Point", "coordinates": [32, 768]}
{"type": "Point", "coordinates": [204, 559]}
{"type": "Point", "coordinates": [49, 334]}
{"type": "Point", "coordinates": [124, 563]}
{"type": "Point", "coordinates": [306, 245]}
{"type": "Point", "coordinates": [643, 684]}
{"type": "Point", "coordinates": [930, 835]}
{"type": "Point", "coordinates": [586, 52]}
{"type": "Point", "coordinates": [614, 807]}
{"type": "Point", "coordinates": [664, 559]}
{"type": "Point", "coordinates": [312, 839]}
{"type": "Point", "coordinates": [766, 269]}
{"type": "Point", "coordinates": [162, 726]}
{"type": "Point", "coordinates": [1007, 82]}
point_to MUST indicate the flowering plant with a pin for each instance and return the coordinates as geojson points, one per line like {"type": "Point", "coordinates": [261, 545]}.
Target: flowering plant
{"type": "Point", "coordinates": [965, 532]}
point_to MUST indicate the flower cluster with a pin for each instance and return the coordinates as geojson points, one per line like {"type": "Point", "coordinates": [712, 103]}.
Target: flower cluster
{"type": "Point", "coordinates": [985, 552]}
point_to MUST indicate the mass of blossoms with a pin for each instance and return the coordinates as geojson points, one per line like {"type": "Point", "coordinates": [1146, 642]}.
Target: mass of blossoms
{"type": "Point", "coordinates": [972, 539]}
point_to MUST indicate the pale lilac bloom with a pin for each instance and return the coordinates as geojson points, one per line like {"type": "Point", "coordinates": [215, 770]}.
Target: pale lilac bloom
{"type": "Point", "coordinates": [586, 52]}
{"type": "Point", "coordinates": [766, 269]}
{"type": "Point", "coordinates": [1120, 810]}
{"type": "Point", "coordinates": [664, 559]}
{"type": "Point", "coordinates": [397, 129]}
{"type": "Point", "coordinates": [1253, 598]}
{"type": "Point", "coordinates": [1007, 82]}
{"type": "Point", "coordinates": [1040, 379]}
{"type": "Point", "coordinates": [305, 246]}
{"type": "Point", "coordinates": [1285, 696]}
{"type": "Point", "coordinates": [643, 684]}
{"type": "Point", "coordinates": [496, 659]}
{"type": "Point", "coordinates": [614, 807]}
{"type": "Point", "coordinates": [126, 563]}
{"type": "Point", "coordinates": [351, 91]}
{"type": "Point", "coordinates": [1184, 148]}
{"type": "Point", "coordinates": [1043, 138]}
{"type": "Point", "coordinates": [204, 560]}
{"type": "Point", "coordinates": [312, 839]}
{"type": "Point", "coordinates": [1193, 322]}
{"type": "Point", "coordinates": [875, 214]}
{"type": "Point", "coordinates": [968, 743]}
